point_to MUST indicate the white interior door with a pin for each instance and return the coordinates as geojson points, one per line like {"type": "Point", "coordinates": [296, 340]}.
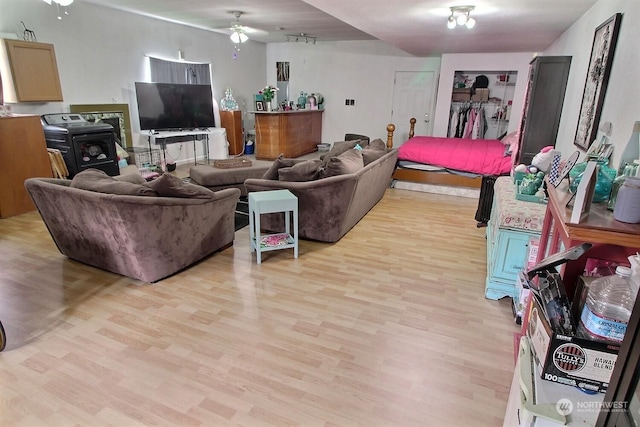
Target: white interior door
{"type": "Point", "coordinates": [413, 96]}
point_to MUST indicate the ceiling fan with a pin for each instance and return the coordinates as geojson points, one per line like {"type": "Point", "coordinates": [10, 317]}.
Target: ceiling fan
{"type": "Point", "coordinates": [240, 33]}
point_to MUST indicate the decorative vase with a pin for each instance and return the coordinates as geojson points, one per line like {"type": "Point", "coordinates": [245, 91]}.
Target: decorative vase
{"type": "Point", "coordinates": [302, 100]}
{"type": "Point", "coordinates": [604, 180]}
{"type": "Point", "coordinates": [228, 103]}
{"type": "Point", "coordinates": [268, 106]}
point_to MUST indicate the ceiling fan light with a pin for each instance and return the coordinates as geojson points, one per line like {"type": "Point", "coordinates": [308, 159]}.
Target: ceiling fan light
{"type": "Point", "coordinates": [462, 19]}
{"type": "Point", "coordinates": [451, 22]}
{"type": "Point", "coordinates": [470, 23]}
{"type": "Point", "coordinates": [235, 37]}
{"type": "Point", "coordinates": [243, 37]}
{"type": "Point", "coordinates": [64, 3]}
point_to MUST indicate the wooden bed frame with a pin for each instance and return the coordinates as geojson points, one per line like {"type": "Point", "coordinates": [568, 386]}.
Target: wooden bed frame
{"type": "Point", "coordinates": [429, 177]}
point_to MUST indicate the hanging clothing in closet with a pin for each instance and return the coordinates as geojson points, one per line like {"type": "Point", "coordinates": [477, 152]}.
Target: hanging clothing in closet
{"type": "Point", "coordinates": [467, 121]}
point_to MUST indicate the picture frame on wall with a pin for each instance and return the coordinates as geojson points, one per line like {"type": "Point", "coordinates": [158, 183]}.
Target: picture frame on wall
{"type": "Point", "coordinates": [259, 106]}
{"type": "Point", "coordinates": [595, 86]}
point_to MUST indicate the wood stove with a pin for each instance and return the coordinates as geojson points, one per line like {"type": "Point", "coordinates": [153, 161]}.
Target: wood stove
{"type": "Point", "coordinates": [83, 145]}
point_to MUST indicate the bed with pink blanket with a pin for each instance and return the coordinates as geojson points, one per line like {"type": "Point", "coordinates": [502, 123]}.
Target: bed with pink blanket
{"type": "Point", "coordinates": [451, 161]}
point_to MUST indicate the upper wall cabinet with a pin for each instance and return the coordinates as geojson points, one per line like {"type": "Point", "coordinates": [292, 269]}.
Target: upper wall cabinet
{"type": "Point", "coordinates": [34, 72]}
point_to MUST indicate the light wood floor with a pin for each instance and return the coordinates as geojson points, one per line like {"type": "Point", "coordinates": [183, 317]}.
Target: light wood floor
{"type": "Point", "coordinates": [388, 327]}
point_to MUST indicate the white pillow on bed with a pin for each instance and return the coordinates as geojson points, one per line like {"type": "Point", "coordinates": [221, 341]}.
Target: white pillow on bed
{"type": "Point", "coordinates": [510, 142]}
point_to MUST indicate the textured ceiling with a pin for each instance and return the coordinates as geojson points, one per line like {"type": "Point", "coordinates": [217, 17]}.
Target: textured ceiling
{"type": "Point", "coordinates": [417, 27]}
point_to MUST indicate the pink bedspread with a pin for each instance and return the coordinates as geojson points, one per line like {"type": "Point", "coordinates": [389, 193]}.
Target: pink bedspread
{"type": "Point", "coordinates": [481, 156]}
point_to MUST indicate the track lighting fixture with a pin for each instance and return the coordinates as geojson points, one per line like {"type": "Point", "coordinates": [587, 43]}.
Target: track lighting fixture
{"type": "Point", "coordinates": [302, 37]}
{"type": "Point", "coordinates": [460, 15]}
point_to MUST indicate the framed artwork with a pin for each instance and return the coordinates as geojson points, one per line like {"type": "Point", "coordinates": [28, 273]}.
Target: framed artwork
{"type": "Point", "coordinates": [595, 86]}
{"type": "Point", "coordinates": [259, 105]}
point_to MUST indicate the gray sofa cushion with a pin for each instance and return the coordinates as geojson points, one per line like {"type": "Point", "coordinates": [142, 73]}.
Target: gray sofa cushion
{"type": "Point", "coordinates": [98, 181]}
{"type": "Point", "coordinates": [279, 163]}
{"type": "Point", "coordinates": [167, 185]}
{"type": "Point", "coordinates": [372, 152]}
{"type": "Point", "coordinates": [351, 161]}
{"type": "Point", "coordinates": [338, 148]}
{"type": "Point", "coordinates": [308, 170]}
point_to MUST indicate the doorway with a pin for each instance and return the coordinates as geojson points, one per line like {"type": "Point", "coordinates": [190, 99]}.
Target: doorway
{"type": "Point", "coordinates": [413, 96]}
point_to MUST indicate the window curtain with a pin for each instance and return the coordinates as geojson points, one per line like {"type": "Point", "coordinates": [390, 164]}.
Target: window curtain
{"type": "Point", "coordinates": [180, 72]}
{"type": "Point", "coordinates": [163, 71]}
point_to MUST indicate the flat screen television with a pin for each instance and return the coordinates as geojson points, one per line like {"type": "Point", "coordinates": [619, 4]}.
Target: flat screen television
{"type": "Point", "coordinates": [169, 106]}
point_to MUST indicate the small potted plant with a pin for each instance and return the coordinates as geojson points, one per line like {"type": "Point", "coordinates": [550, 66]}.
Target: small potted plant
{"type": "Point", "coordinates": [268, 93]}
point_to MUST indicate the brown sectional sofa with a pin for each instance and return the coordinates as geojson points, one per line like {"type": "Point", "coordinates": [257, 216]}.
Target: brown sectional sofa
{"type": "Point", "coordinates": [329, 207]}
{"type": "Point", "coordinates": [147, 231]}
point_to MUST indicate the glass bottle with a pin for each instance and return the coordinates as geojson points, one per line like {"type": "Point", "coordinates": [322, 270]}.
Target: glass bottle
{"type": "Point", "coordinates": [302, 99]}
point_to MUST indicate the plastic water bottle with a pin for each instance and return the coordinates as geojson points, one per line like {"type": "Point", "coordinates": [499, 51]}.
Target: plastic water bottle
{"type": "Point", "coordinates": [608, 307]}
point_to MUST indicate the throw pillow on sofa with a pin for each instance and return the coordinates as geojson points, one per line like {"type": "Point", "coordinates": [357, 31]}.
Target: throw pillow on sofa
{"type": "Point", "coordinates": [167, 185]}
{"type": "Point", "coordinates": [348, 162]}
{"type": "Point", "coordinates": [308, 170]}
{"type": "Point", "coordinates": [372, 152]}
{"type": "Point", "coordinates": [338, 148]}
{"type": "Point", "coordinates": [279, 163]}
{"type": "Point", "coordinates": [98, 181]}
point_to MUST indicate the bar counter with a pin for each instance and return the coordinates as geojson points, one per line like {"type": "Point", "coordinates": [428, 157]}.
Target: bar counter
{"type": "Point", "coordinates": [294, 133]}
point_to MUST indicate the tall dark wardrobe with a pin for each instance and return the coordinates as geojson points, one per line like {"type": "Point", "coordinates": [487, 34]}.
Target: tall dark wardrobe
{"type": "Point", "coordinates": [543, 105]}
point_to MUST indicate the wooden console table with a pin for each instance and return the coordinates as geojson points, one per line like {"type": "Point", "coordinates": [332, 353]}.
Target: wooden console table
{"type": "Point", "coordinates": [611, 239]}
{"type": "Point", "coordinates": [294, 133]}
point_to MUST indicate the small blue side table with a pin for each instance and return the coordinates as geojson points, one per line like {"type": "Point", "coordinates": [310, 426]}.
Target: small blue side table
{"type": "Point", "coordinates": [264, 202]}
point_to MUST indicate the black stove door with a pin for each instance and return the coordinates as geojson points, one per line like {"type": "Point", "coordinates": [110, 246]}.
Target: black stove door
{"type": "Point", "coordinates": [96, 150]}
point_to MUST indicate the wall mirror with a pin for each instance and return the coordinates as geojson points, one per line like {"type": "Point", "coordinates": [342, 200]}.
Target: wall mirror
{"type": "Point", "coordinates": [282, 82]}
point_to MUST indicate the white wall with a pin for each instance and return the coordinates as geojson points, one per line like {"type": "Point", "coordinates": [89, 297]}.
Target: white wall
{"type": "Point", "coordinates": [622, 104]}
{"type": "Point", "coordinates": [480, 62]}
{"type": "Point", "coordinates": [363, 71]}
{"type": "Point", "coordinates": [100, 54]}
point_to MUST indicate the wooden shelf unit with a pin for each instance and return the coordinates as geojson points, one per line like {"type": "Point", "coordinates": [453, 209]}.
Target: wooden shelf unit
{"type": "Point", "coordinates": [24, 150]}
{"type": "Point", "coordinates": [232, 122]}
{"type": "Point", "coordinates": [611, 239]}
